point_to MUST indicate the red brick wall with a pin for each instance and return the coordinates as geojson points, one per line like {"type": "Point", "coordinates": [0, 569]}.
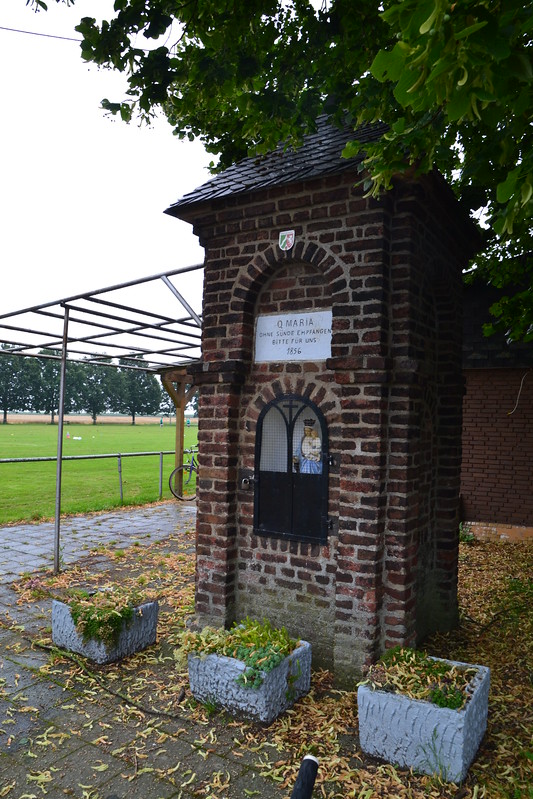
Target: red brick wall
{"type": "Point", "coordinates": [295, 580]}
{"type": "Point", "coordinates": [390, 393]}
{"type": "Point", "coordinates": [496, 477]}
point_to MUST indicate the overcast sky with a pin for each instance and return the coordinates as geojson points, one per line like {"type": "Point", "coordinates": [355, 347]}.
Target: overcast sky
{"type": "Point", "coordinates": [81, 195]}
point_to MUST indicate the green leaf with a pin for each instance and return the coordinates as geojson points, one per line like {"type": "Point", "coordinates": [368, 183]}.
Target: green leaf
{"type": "Point", "coordinates": [484, 95]}
{"type": "Point", "coordinates": [458, 105]}
{"type": "Point", "coordinates": [388, 65]}
{"type": "Point", "coordinates": [390, 14]}
{"type": "Point", "coordinates": [470, 29]}
{"type": "Point", "coordinates": [399, 125]}
{"type": "Point", "coordinates": [351, 150]}
{"type": "Point", "coordinates": [404, 88]}
{"type": "Point", "coordinates": [499, 226]}
{"type": "Point", "coordinates": [505, 190]}
{"type": "Point", "coordinates": [415, 16]}
{"type": "Point", "coordinates": [526, 192]}
{"type": "Point", "coordinates": [443, 65]}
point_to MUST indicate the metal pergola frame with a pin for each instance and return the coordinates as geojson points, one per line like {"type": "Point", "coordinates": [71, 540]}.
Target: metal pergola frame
{"type": "Point", "coordinates": [126, 325]}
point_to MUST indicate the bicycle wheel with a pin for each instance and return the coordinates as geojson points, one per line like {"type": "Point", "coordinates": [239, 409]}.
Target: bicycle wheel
{"type": "Point", "coordinates": [186, 482]}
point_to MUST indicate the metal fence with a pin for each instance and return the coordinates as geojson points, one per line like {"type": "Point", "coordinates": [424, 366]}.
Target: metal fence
{"type": "Point", "coordinates": [117, 455]}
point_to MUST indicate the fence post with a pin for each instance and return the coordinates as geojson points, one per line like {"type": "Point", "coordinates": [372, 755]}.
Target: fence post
{"type": "Point", "coordinates": [119, 464]}
{"type": "Point", "coordinates": [160, 475]}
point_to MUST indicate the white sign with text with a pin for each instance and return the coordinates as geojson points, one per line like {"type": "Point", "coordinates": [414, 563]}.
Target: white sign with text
{"type": "Point", "coordinates": [293, 337]}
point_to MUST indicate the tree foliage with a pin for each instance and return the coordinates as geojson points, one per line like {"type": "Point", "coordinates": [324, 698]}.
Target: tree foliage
{"type": "Point", "coordinates": [452, 80]}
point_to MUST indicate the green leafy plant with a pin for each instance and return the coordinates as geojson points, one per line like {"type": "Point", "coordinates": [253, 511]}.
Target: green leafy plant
{"type": "Point", "coordinates": [466, 536]}
{"type": "Point", "coordinates": [211, 707]}
{"type": "Point", "coordinates": [292, 679]}
{"type": "Point", "coordinates": [100, 615]}
{"type": "Point", "coordinates": [436, 763]}
{"type": "Point", "coordinates": [259, 645]}
{"type": "Point", "coordinates": [418, 676]}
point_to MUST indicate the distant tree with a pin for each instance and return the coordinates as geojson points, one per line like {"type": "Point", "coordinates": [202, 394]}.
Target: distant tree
{"type": "Point", "coordinates": [18, 379]}
{"type": "Point", "coordinates": [29, 381]}
{"type": "Point", "coordinates": [192, 405]}
{"type": "Point", "coordinates": [96, 388]}
{"type": "Point", "coordinates": [167, 406]}
{"type": "Point", "coordinates": [46, 396]}
{"type": "Point", "coordinates": [73, 388]}
{"type": "Point", "coordinates": [140, 392]}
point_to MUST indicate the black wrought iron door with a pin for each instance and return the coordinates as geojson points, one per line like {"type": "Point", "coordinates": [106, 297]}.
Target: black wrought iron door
{"type": "Point", "coordinates": [291, 467]}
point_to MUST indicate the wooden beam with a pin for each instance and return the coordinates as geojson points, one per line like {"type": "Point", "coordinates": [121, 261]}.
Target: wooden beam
{"type": "Point", "coordinates": [174, 382]}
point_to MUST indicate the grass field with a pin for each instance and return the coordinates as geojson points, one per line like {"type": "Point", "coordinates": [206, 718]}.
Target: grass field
{"type": "Point", "coordinates": [27, 490]}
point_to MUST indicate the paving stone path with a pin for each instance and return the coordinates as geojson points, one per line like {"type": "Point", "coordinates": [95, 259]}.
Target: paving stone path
{"type": "Point", "coordinates": [27, 547]}
{"type": "Point", "coordinates": [54, 742]}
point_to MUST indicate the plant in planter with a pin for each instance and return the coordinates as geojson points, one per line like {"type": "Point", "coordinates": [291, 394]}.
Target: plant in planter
{"type": "Point", "coordinates": [104, 625]}
{"type": "Point", "coordinates": [254, 669]}
{"type": "Point", "coordinates": [424, 713]}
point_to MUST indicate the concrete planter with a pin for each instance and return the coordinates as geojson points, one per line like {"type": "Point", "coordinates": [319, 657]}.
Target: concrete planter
{"type": "Point", "coordinates": [139, 633]}
{"type": "Point", "coordinates": [214, 679]}
{"type": "Point", "coordinates": [416, 734]}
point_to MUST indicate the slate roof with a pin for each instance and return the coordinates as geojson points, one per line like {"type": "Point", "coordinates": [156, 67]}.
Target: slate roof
{"type": "Point", "coordinates": [319, 155]}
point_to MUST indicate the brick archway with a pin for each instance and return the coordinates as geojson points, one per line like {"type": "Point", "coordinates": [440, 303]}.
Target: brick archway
{"type": "Point", "coordinates": [271, 264]}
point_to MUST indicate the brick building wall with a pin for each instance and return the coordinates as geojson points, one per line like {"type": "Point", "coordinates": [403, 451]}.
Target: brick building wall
{"type": "Point", "coordinates": [390, 393]}
{"type": "Point", "coordinates": [496, 477]}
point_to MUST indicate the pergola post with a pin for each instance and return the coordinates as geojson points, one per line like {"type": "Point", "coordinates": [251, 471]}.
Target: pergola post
{"type": "Point", "coordinates": [175, 382]}
{"type": "Point", "coordinates": [59, 464]}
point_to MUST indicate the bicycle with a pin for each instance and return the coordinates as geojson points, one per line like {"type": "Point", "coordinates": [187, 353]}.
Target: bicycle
{"type": "Point", "coordinates": [180, 481]}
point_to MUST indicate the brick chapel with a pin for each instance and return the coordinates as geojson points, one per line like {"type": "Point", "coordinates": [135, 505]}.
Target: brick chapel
{"type": "Point", "coordinates": [330, 400]}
